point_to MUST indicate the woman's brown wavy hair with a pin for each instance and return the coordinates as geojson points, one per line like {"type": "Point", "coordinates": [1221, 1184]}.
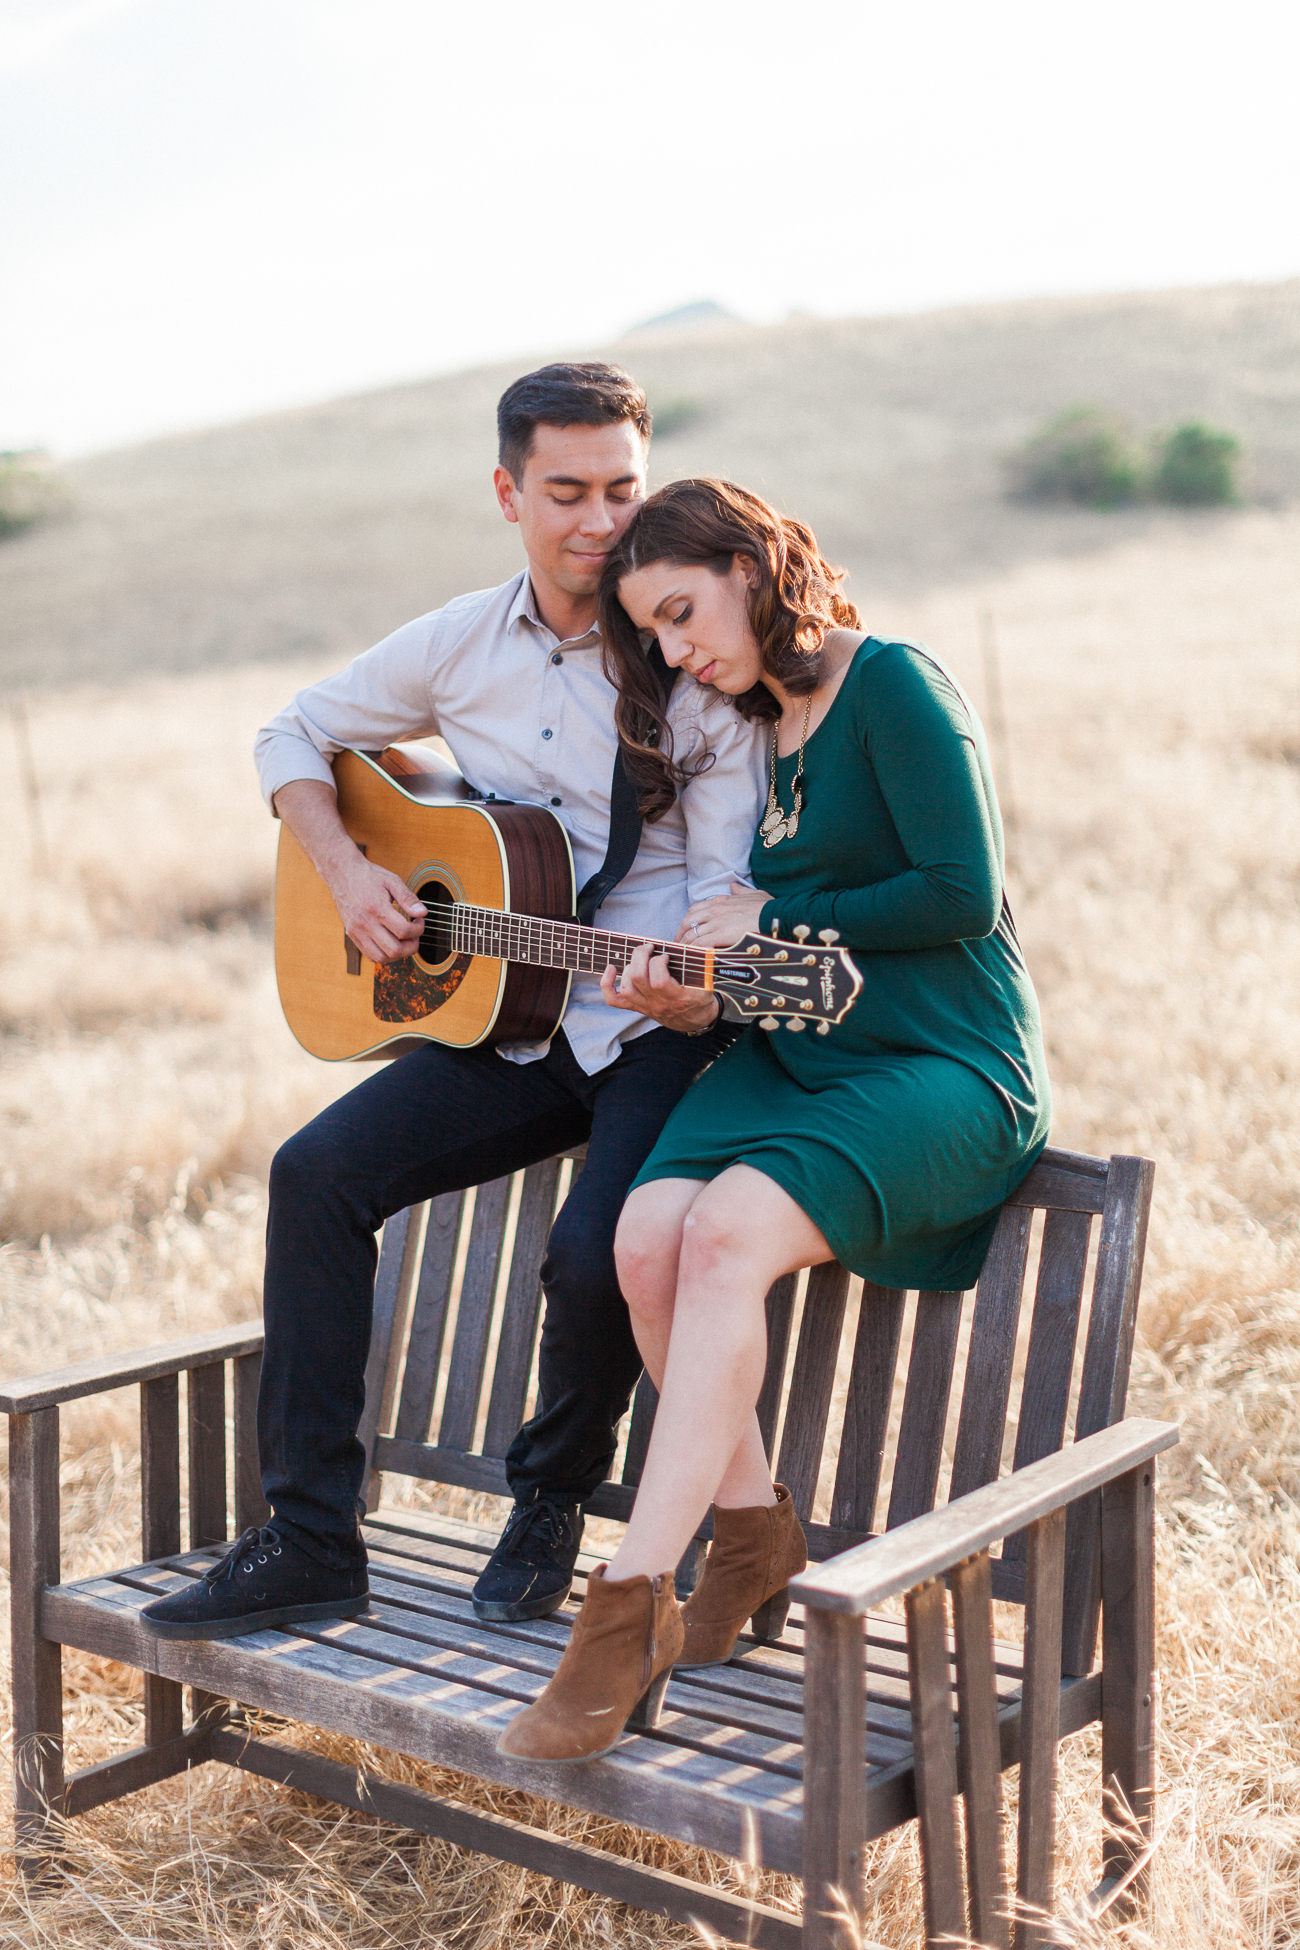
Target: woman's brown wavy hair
{"type": "Point", "coordinates": [794, 600]}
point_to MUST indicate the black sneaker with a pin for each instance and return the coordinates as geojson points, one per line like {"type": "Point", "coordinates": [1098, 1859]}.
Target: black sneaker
{"type": "Point", "coordinates": [262, 1580]}
{"type": "Point", "coordinates": [530, 1573]}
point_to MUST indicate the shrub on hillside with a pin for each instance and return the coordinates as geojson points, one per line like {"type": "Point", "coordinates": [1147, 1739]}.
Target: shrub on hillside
{"type": "Point", "coordinates": [1196, 467]}
{"type": "Point", "coordinates": [1084, 455]}
{"type": "Point", "coordinates": [29, 489]}
{"type": "Point", "coordinates": [674, 416]}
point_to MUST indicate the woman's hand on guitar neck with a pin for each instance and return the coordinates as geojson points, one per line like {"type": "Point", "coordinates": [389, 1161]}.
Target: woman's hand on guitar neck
{"type": "Point", "coordinates": [377, 908]}
{"type": "Point", "coordinates": [647, 989]}
{"type": "Point", "coordinates": [720, 922]}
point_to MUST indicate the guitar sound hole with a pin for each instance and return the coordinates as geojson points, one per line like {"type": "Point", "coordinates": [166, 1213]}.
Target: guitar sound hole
{"type": "Point", "coordinates": [435, 943]}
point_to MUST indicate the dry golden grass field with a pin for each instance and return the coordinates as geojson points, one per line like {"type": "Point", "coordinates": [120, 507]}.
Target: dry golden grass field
{"type": "Point", "coordinates": [1151, 671]}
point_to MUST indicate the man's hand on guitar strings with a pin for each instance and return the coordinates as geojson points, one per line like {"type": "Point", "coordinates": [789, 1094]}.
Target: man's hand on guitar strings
{"type": "Point", "coordinates": [647, 989]}
{"type": "Point", "coordinates": [378, 910]}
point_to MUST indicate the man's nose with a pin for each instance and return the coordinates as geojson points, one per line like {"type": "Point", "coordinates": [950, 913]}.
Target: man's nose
{"type": "Point", "coordinates": [597, 519]}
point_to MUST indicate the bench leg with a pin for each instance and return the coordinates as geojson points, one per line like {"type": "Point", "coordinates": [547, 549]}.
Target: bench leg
{"type": "Point", "coordinates": [834, 1781]}
{"type": "Point", "coordinates": [160, 1531]}
{"type": "Point", "coordinates": [37, 1663]}
{"type": "Point", "coordinates": [934, 1762]}
{"type": "Point", "coordinates": [206, 1415]}
{"type": "Point", "coordinates": [1128, 1674]}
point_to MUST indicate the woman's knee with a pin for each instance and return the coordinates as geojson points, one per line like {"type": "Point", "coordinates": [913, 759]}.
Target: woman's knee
{"type": "Point", "coordinates": [645, 1254]}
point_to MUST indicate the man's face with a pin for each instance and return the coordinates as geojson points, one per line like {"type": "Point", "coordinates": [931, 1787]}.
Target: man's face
{"type": "Point", "coordinates": [579, 489]}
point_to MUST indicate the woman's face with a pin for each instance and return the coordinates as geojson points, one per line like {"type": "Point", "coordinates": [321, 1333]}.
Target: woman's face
{"type": "Point", "coordinates": [701, 620]}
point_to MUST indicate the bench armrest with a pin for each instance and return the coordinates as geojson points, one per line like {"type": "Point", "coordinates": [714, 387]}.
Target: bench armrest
{"type": "Point", "coordinates": [24, 1397]}
{"type": "Point", "coordinates": [930, 1545]}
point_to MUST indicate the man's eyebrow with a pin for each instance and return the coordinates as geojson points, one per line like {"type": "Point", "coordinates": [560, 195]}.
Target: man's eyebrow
{"type": "Point", "coordinates": [574, 481]}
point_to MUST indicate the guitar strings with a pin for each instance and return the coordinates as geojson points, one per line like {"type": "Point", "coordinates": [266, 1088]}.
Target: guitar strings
{"type": "Point", "coordinates": [470, 930]}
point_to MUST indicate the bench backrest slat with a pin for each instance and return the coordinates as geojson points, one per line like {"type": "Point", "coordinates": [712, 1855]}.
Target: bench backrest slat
{"type": "Point", "coordinates": [867, 1406]}
{"type": "Point", "coordinates": [395, 1279]}
{"type": "Point", "coordinates": [925, 1407]}
{"type": "Point", "coordinates": [522, 1309]}
{"type": "Point", "coordinates": [474, 1315]}
{"type": "Point", "coordinates": [812, 1384]}
{"type": "Point", "coordinates": [780, 1319]}
{"type": "Point", "coordinates": [429, 1317]}
{"type": "Point", "coordinates": [799, 1395]}
{"type": "Point", "coordinates": [994, 1326]}
{"type": "Point", "coordinates": [1049, 1363]}
{"type": "Point", "coordinates": [644, 1403]}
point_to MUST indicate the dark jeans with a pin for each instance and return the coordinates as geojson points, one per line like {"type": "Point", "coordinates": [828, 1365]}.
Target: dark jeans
{"type": "Point", "coordinates": [433, 1122]}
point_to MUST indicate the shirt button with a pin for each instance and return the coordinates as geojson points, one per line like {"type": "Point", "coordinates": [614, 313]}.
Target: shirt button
{"type": "Point", "coordinates": [546, 734]}
{"type": "Point", "coordinates": [557, 802]}
{"type": "Point", "coordinates": [557, 658]}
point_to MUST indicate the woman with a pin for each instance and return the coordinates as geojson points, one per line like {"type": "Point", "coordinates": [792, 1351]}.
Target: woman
{"type": "Point", "coordinates": [889, 1143]}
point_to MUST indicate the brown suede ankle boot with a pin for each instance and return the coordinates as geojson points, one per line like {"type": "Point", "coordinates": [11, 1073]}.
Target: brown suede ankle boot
{"type": "Point", "coordinates": [753, 1556]}
{"type": "Point", "coordinates": [614, 1673]}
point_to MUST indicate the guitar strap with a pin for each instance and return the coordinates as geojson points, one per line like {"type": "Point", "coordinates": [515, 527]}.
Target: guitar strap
{"type": "Point", "coordinates": [624, 819]}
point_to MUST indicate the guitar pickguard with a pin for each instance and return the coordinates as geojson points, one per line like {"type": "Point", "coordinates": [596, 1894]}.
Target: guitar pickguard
{"type": "Point", "coordinates": [405, 992]}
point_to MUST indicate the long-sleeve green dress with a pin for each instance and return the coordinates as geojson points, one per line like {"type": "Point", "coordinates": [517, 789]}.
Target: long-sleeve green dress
{"type": "Point", "coordinates": [902, 1131]}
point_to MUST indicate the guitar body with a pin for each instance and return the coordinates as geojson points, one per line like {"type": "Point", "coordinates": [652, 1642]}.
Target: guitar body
{"type": "Point", "coordinates": [408, 812]}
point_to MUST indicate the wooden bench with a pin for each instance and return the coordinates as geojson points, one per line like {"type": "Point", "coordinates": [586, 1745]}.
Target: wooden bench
{"type": "Point", "coordinates": [794, 1755]}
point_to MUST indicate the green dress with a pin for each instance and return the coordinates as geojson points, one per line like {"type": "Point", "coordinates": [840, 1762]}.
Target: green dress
{"type": "Point", "coordinates": [902, 1131]}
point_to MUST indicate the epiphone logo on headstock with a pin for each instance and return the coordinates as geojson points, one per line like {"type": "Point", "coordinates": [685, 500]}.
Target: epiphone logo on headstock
{"type": "Point", "coordinates": [828, 983]}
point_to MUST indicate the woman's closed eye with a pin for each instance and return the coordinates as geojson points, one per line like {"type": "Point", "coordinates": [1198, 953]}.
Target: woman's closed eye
{"type": "Point", "coordinates": [685, 617]}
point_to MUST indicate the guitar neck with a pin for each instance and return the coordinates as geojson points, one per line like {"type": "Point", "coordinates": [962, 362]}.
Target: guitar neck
{"type": "Point", "coordinates": [465, 930]}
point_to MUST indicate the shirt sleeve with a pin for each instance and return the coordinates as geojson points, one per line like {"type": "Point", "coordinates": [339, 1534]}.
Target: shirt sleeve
{"type": "Point", "coordinates": [722, 805]}
{"type": "Point", "coordinates": [384, 694]}
{"type": "Point", "coordinates": [919, 737]}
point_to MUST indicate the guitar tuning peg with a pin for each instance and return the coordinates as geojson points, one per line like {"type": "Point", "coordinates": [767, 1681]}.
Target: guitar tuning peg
{"type": "Point", "coordinates": [769, 1022]}
{"type": "Point", "coordinates": [829, 935]}
{"type": "Point", "coordinates": [802, 932]}
{"type": "Point", "coordinates": [795, 1022]}
{"type": "Point", "coordinates": [823, 1029]}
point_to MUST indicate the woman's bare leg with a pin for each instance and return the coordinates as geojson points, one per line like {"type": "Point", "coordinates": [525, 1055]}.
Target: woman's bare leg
{"type": "Point", "coordinates": [737, 1234]}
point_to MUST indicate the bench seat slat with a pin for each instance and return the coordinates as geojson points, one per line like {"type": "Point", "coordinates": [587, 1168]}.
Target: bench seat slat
{"type": "Point", "coordinates": [696, 1797]}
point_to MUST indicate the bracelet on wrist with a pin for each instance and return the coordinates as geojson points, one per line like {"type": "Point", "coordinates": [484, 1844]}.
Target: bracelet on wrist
{"type": "Point", "coordinates": [712, 1023]}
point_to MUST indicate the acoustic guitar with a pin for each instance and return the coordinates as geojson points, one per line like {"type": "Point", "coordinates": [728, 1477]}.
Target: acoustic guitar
{"type": "Point", "coordinates": [500, 946]}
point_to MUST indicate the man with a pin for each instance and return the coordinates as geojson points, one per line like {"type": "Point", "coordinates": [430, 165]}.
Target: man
{"type": "Point", "coordinates": [512, 679]}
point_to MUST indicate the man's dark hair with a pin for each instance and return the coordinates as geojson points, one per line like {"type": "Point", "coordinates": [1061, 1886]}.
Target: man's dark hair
{"type": "Point", "coordinates": [593, 395]}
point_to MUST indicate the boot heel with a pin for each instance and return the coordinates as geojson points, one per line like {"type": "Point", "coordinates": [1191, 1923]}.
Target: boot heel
{"type": "Point", "coordinates": [768, 1621]}
{"type": "Point", "coordinates": [645, 1714]}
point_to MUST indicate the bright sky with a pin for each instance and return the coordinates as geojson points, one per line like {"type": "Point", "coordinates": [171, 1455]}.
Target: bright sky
{"type": "Point", "coordinates": [209, 208]}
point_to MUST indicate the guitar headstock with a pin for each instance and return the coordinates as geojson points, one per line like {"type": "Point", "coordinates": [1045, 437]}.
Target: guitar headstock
{"type": "Point", "coordinates": [790, 984]}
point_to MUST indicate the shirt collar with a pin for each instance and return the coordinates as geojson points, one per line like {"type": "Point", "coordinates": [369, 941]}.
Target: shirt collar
{"type": "Point", "coordinates": [524, 609]}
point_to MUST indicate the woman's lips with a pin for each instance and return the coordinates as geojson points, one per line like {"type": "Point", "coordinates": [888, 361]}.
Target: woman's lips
{"type": "Point", "coordinates": [705, 676]}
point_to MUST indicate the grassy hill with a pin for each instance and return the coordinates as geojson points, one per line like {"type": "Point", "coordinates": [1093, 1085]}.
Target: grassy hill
{"type": "Point", "coordinates": [309, 534]}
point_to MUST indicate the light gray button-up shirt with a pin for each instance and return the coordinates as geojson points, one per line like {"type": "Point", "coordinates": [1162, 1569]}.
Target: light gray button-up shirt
{"type": "Point", "coordinates": [532, 719]}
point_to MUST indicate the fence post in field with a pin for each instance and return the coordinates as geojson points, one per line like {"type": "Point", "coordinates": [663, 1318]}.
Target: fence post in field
{"type": "Point", "coordinates": [999, 737]}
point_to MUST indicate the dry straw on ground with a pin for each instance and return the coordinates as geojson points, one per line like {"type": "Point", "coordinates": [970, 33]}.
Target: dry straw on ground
{"type": "Point", "coordinates": [1153, 698]}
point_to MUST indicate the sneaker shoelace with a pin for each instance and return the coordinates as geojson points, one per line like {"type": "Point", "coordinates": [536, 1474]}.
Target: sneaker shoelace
{"type": "Point", "coordinates": [252, 1544]}
{"type": "Point", "coordinates": [542, 1523]}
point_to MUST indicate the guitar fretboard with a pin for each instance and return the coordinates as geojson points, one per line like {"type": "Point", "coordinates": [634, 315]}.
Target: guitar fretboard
{"type": "Point", "coordinates": [464, 930]}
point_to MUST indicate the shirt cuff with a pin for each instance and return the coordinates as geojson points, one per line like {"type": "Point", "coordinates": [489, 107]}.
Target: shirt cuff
{"type": "Point", "coordinates": [289, 759]}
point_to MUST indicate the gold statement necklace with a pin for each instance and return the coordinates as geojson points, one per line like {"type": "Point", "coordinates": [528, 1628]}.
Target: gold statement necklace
{"type": "Point", "coordinates": [777, 823]}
